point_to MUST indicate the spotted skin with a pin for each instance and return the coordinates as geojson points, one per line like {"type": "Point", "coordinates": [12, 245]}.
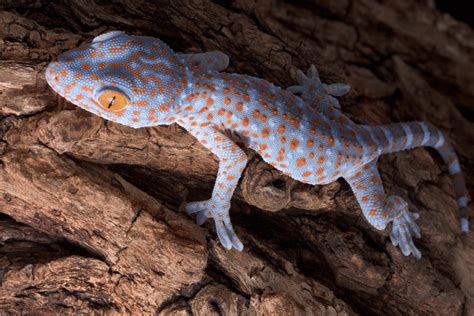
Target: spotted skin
{"type": "Point", "coordinates": [139, 81]}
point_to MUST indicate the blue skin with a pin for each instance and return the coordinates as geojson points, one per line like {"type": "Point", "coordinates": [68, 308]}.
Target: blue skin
{"type": "Point", "coordinates": [158, 87]}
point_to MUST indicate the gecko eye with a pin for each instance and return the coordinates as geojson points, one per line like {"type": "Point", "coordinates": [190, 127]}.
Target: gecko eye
{"type": "Point", "coordinates": [113, 100]}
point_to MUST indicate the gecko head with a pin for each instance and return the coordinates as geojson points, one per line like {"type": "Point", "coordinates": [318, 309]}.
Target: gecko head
{"type": "Point", "coordinates": [132, 80]}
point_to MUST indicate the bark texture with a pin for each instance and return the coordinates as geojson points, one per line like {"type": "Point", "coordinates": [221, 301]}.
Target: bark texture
{"type": "Point", "coordinates": [92, 217]}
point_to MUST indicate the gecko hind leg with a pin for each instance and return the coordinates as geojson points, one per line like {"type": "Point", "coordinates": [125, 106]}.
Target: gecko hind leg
{"type": "Point", "coordinates": [380, 210]}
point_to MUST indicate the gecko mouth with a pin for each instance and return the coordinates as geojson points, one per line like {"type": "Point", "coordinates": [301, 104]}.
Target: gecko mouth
{"type": "Point", "coordinates": [52, 75]}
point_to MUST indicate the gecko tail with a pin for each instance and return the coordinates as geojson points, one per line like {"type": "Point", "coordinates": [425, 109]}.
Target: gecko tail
{"type": "Point", "coordinates": [402, 136]}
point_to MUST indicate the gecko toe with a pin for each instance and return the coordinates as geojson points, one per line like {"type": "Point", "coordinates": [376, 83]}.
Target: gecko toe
{"type": "Point", "coordinates": [300, 77]}
{"type": "Point", "coordinates": [222, 234]}
{"type": "Point", "coordinates": [312, 72]}
{"type": "Point", "coordinates": [201, 217]}
{"type": "Point", "coordinates": [194, 207]}
{"type": "Point", "coordinates": [236, 243]}
{"type": "Point", "coordinates": [295, 89]}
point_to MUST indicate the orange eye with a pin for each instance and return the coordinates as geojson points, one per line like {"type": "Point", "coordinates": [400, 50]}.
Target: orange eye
{"type": "Point", "coordinates": [113, 100]}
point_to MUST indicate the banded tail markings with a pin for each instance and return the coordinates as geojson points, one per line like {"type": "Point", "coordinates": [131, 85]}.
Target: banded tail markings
{"type": "Point", "coordinates": [424, 134]}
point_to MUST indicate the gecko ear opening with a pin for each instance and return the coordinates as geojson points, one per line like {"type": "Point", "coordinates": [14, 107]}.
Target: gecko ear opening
{"type": "Point", "coordinates": [107, 36]}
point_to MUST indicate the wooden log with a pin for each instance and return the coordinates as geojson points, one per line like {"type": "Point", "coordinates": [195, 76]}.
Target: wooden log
{"type": "Point", "coordinates": [93, 211]}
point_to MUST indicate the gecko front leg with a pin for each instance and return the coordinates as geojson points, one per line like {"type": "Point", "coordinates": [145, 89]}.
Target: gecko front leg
{"type": "Point", "coordinates": [232, 161]}
{"type": "Point", "coordinates": [216, 60]}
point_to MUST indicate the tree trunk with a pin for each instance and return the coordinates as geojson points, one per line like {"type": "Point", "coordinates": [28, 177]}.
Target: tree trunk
{"type": "Point", "coordinates": [92, 212]}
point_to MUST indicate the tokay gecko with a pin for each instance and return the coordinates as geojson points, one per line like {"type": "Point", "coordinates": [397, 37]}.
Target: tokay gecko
{"type": "Point", "coordinates": [139, 81]}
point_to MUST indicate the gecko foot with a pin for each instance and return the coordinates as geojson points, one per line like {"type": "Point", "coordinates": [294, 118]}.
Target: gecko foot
{"type": "Point", "coordinates": [225, 231]}
{"type": "Point", "coordinates": [404, 227]}
{"type": "Point", "coordinates": [310, 86]}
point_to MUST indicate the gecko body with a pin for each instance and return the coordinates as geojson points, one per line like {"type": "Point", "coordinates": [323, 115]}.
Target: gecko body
{"type": "Point", "coordinates": [139, 81]}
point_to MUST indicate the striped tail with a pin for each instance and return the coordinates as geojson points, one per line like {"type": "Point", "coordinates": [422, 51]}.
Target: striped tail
{"type": "Point", "coordinates": [402, 136]}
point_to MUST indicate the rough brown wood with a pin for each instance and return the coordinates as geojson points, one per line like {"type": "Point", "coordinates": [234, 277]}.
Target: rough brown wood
{"type": "Point", "coordinates": [93, 219]}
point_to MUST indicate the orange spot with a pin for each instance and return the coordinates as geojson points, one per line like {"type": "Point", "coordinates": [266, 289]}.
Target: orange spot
{"type": "Point", "coordinates": [321, 159]}
{"type": "Point", "coordinates": [301, 162]}
{"type": "Point", "coordinates": [204, 109]}
{"type": "Point", "coordinates": [310, 143]}
{"type": "Point", "coordinates": [263, 118]}
{"type": "Point", "coordinates": [188, 108]}
{"type": "Point", "coordinates": [373, 212]}
{"type": "Point", "coordinates": [221, 111]}
{"type": "Point", "coordinates": [275, 112]}
{"type": "Point", "coordinates": [136, 112]}
{"type": "Point", "coordinates": [140, 103]}
{"type": "Point", "coordinates": [373, 179]}
{"type": "Point", "coordinates": [294, 144]}
{"type": "Point", "coordinates": [306, 174]}
{"type": "Point", "coordinates": [77, 75]}
{"type": "Point", "coordinates": [239, 107]}
{"type": "Point", "coordinates": [209, 102]}
{"type": "Point", "coordinates": [331, 141]}
{"type": "Point", "coordinates": [245, 133]}
{"type": "Point", "coordinates": [87, 88]}
{"type": "Point", "coordinates": [283, 139]}
{"type": "Point", "coordinates": [101, 65]}
{"type": "Point", "coordinates": [365, 199]}
{"type": "Point", "coordinates": [281, 129]}
{"type": "Point", "coordinates": [295, 122]}
{"type": "Point", "coordinates": [256, 113]}
{"type": "Point", "coordinates": [245, 121]}
{"type": "Point", "coordinates": [94, 77]}
{"type": "Point", "coordinates": [86, 67]}
{"type": "Point", "coordinates": [265, 104]}
{"type": "Point", "coordinates": [209, 116]}
{"type": "Point", "coordinates": [320, 147]}
{"type": "Point", "coordinates": [135, 120]}
{"type": "Point", "coordinates": [311, 155]}
{"type": "Point", "coordinates": [246, 97]}
{"type": "Point", "coordinates": [226, 90]}
{"type": "Point", "coordinates": [227, 100]}
{"type": "Point", "coordinates": [265, 132]}
{"type": "Point", "coordinates": [312, 131]}
{"type": "Point", "coordinates": [319, 171]}
{"type": "Point", "coordinates": [163, 107]}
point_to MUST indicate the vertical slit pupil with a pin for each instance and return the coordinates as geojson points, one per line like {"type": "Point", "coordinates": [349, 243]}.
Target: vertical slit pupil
{"type": "Point", "coordinates": [111, 102]}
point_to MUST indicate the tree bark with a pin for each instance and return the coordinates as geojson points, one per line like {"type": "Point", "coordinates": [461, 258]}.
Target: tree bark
{"type": "Point", "coordinates": [92, 213]}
